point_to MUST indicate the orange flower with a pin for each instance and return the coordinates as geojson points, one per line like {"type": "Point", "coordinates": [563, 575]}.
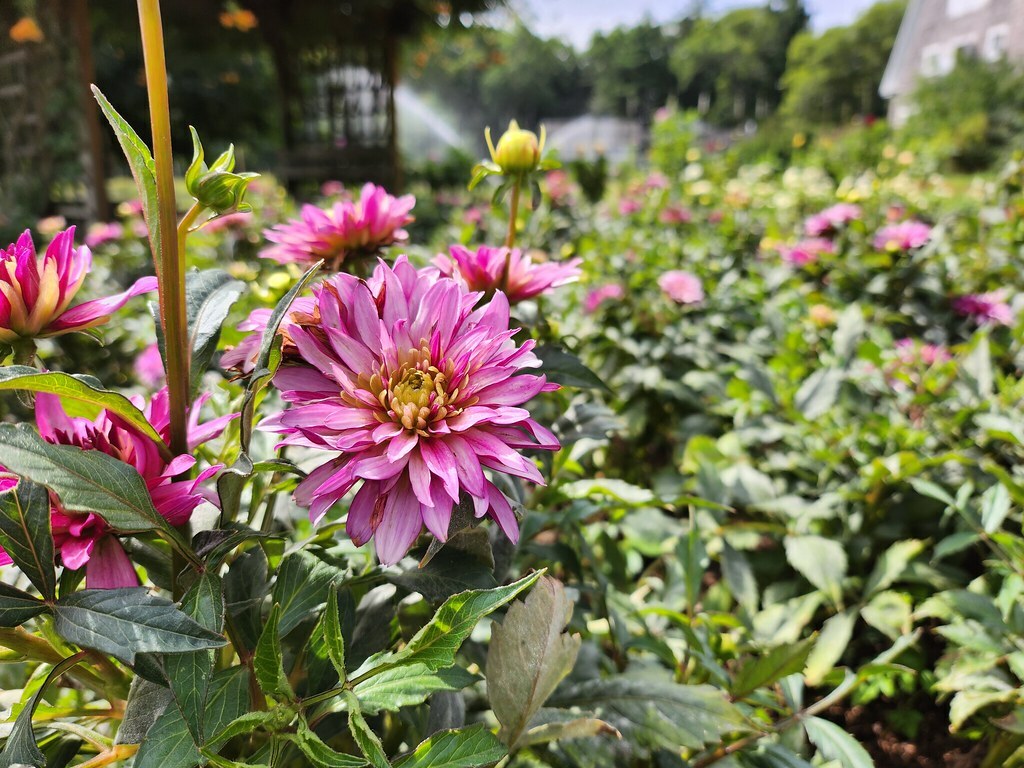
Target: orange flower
{"type": "Point", "coordinates": [241, 19]}
{"type": "Point", "coordinates": [26, 30]}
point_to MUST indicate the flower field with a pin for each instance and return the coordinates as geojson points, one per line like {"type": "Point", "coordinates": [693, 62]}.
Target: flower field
{"type": "Point", "coordinates": [717, 465]}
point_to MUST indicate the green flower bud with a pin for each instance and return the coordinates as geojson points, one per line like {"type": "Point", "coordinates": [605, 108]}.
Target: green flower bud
{"type": "Point", "coordinates": [518, 151]}
{"type": "Point", "coordinates": [216, 187]}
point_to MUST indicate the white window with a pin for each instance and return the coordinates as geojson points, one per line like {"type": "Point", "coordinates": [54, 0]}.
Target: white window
{"type": "Point", "coordinates": [956, 8]}
{"type": "Point", "coordinates": [996, 40]}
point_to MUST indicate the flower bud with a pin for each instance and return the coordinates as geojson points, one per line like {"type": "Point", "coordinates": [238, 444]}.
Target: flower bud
{"type": "Point", "coordinates": [518, 151]}
{"type": "Point", "coordinates": [216, 187]}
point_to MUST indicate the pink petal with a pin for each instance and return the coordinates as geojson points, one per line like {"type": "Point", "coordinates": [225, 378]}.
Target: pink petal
{"type": "Point", "coordinates": [109, 566]}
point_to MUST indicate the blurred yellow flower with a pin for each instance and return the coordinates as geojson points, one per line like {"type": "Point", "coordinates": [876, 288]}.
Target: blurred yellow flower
{"type": "Point", "coordinates": [821, 315]}
{"type": "Point", "coordinates": [799, 139]}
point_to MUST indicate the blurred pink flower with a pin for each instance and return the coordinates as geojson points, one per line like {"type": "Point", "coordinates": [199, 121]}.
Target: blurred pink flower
{"type": "Point", "coordinates": [682, 287]}
{"type": "Point", "coordinates": [674, 213]}
{"type": "Point", "coordinates": [485, 268]}
{"type": "Point", "coordinates": [806, 251]}
{"type": "Point", "coordinates": [235, 220]}
{"type": "Point", "coordinates": [243, 355]}
{"type": "Point", "coordinates": [345, 228]}
{"type": "Point", "coordinates": [473, 215]}
{"type": "Point", "coordinates": [418, 393]}
{"type": "Point", "coordinates": [130, 208]}
{"type": "Point", "coordinates": [828, 221]}
{"type": "Point", "coordinates": [51, 225]}
{"type": "Point", "coordinates": [35, 293]}
{"type": "Point", "coordinates": [912, 352]}
{"type": "Point", "coordinates": [103, 232]}
{"type": "Point", "coordinates": [903, 236]}
{"type": "Point", "coordinates": [598, 296]}
{"type": "Point", "coordinates": [559, 186]}
{"type": "Point", "coordinates": [332, 188]}
{"type": "Point", "coordinates": [985, 308]}
{"type": "Point", "coordinates": [149, 367]}
{"type": "Point", "coordinates": [656, 180]}
{"type": "Point", "coordinates": [629, 206]}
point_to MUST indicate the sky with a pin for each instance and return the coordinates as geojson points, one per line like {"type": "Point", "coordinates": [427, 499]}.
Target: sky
{"type": "Point", "coordinates": [576, 20]}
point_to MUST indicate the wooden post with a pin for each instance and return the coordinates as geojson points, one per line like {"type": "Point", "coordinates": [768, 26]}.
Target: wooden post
{"type": "Point", "coordinates": [100, 204]}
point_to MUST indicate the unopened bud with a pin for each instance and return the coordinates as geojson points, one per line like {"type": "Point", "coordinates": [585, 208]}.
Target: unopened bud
{"type": "Point", "coordinates": [216, 187]}
{"type": "Point", "coordinates": [518, 150]}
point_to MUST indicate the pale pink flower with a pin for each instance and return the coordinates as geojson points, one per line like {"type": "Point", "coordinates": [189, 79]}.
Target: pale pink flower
{"type": "Point", "coordinates": [985, 308]}
{"type": "Point", "coordinates": [149, 367]}
{"type": "Point", "coordinates": [418, 393]}
{"type": "Point", "coordinates": [332, 188]}
{"type": "Point", "coordinates": [830, 220]}
{"type": "Point", "coordinates": [36, 293]}
{"type": "Point", "coordinates": [103, 232]}
{"type": "Point", "coordinates": [243, 356]}
{"type": "Point", "coordinates": [629, 206]}
{"type": "Point", "coordinates": [512, 272]}
{"type": "Point", "coordinates": [912, 352]}
{"type": "Point", "coordinates": [656, 180]}
{"type": "Point", "coordinates": [903, 236]}
{"type": "Point", "coordinates": [130, 208]}
{"type": "Point", "coordinates": [236, 220]}
{"type": "Point", "coordinates": [559, 186]}
{"type": "Point", "coordinates": [673, 213]}
{"type": "Point", "coordinates": [345, 228]}
{"type": "Point", "coordinates": [473, 215]}
{"type": "Point", "coordinates": [682, 287]}
{"type": "Point", "coordinates": [806, 251]}
{"type": "Point", "coordinates": [51, 225]}
{"type": "Point", "coordinates": [598, 296]}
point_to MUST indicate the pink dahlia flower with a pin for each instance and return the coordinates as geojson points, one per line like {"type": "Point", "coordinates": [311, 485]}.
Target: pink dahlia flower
{"type": "Point", "coordinates": [807, 251]}
{"type": "Point", "coordinates": [101, 233]}
{"type": "Point", "coordinates": [6, 484]}
{"type": "Point", "coordinates": [418, 393]}
{"type": "Point", "coordinates": [243, 356]}
{"type": "Point", "coordinates": [598, 296]}
{"type": "Point", "coordinates": [484, 268]}
{"type": "Point", "coordinates": [85, 539]}
{"type": "Point", "coordinates": [363, 226]}
{"type": "Point", "coordinates": [830, 220]}
{"type": "Point", "coordinates": [985, 308]}
{"type": "Point", "coordinates": [35, 293]}
{"type": "Point", "coordinates": [903, 236]}
{"type": "Point", "coordinates": [149, 367]}
{"type": "Point", "coordinates": [681, 287]}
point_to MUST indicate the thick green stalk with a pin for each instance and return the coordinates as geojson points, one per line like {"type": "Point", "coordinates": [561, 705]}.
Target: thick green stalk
{"type": "Point", "coordinates": [171, 267]}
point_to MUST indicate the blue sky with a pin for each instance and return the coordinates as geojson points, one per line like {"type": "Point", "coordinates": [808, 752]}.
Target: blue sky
{"type": "Point", "coordinates": [576, 20]}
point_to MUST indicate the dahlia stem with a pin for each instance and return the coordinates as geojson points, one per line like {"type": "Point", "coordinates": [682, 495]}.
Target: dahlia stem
{"type": "Point", "coordinates": [170, 270]}
{"type": "Point", "coordinates": [510, 239]}
{"type": "Point", "coordinates": [115, 754]}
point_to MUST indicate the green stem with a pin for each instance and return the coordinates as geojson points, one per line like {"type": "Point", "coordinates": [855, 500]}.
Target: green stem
{"type": "Point", "coordinates": [510, 239]}
{"type": "Point", "coordinates": [171, 268]}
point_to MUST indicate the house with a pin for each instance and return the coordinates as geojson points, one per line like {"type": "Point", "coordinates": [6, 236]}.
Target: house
{"type": "Point", "coordinates": [934, 32]}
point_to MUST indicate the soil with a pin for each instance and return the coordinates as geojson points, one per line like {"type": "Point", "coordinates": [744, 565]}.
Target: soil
{"type": "Point", "coordinates": [934, 746]}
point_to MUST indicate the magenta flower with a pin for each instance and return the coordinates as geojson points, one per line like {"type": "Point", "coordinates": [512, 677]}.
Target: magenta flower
{"type": "Point", "coordinates": [598, 296]}
{"type": "Point", "coordinates": [149, 367]}
{"type": "Point", "coordinates": [346, 228]}
{"type": "Point", "coordinates": [484, 270]}
{"type": "Point", "coordinates": [807, 251]}
{"type": "Point", "coordinates": [35, 293]}
{"type": "Point", "coordinates": [418, 393]}
{"type": "Point", "coordinates": [6, 484]}
{"type": "Point", "coordinates": [243, 356]}
{"type": "Point", "coordinates": [681, 287]}
{"type": "Point", "coordinates": [830, 220]}
{"type": "Point", "coordinates": [85, 539]}
{"type": "Point", "coordinates": [903, 236]}
{"type": "Point", "coordinates": [985, 308]}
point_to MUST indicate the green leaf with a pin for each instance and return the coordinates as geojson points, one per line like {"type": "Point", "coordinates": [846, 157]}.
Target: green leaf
{"type": "Point", "coordinates": [209, 296]}
{"type": "Point", "coordinates": [168, 744]}
{"type": "Point", "coordinates": [86, 481]}
{"type": "Point", "coordinates": [320, 754]}
{"type": "Point", "coordinates": [333, 637]}
{"type": "Point", "coordinates": [124, 622]}
{"type": "Point", "coordinates": [25, 535]}
{"type": "Point", "coordinates": [140, 160]}
{"type": "Point", "coordinates": [473, 747]}
{"type": "Point", "coordinates": [739, 576]}
{"type": "Point", "coordinates": [17, 607]}
{"type": "Point", "coordinates": [836, 744]}
{"type": "Point", "coordinates": [20, 747]}
{"type": "Point", "coordinates": [819, 560]}
{"type": "Point", "coordinates": [263, 371]}
{"type": "Point", "coordinates": [188, 674]}
{"type": "Point", "coordinates": [769, 668]}
{"type": "Point", "coordinates": [976, 368]}
{"type": "Point", "coordinates": [365, 738]}
{"type": "Point", "coordinates": [693, 558]}
{"type": "Point", "coordinates": [995, 506]}
{"type": "Point", "coordinates": [248, 722]}
{"type": "Point", "coordinates": [408, 685]}
{"type": "Point", "coordinates": [818, 393]}
{"type": "Point", "coordinates": [529, 656]}
{"type": "Point", "coordinates": [656, 713]}
{"type": "Point", "coordinates": [303, 584]}
{"type": "Point", "coordinates": [619, 490]}
{"type": "Point", "coordinates": [892, 564]}
{"type": "Point", "coordinates": [831, 643]}
{"type": "Point", "coordinates": [83, 389]}
{"type": "Point", "coordinates": [565, 368]}
{"type": "Point", "coordinates": [436, 643]}
{"type": "Point", "coordinates": [268, 660]}
{"type": "Point", "coordinates": [146, 702]}
{"type": "Point", "coordinates": [850, 327]}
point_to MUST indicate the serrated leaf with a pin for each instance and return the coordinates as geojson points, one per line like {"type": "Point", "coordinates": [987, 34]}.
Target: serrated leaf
{"type": "Point", "coordinates": [209, 296]}
{"type": "Point", "coordinates": [529, 656]}
{"type": "Point", "coordinates": [836, 744]}
{"type": "Point", "coordinates": [656, 713]}
{"type": "Point", "coordinates": [436, 643]}
{"type": "Point", "coordinates": [268, 660]}
{"type": "Point", "coordinates": [85, 389]}
{"type": "Point", "coordinates": [333, 637]}
{"type": "Point", "coordinates": [17, 607]}
{"type": "Point", "coordinates": [819, 560]}
{"type": "Point", "coordinates": [320, 754]}
{"type": "Point", "coordinates": [146, 702]}
{"type": "Point", "coordinates": [26, 537]}
{"type": "Point", "coordinates": [580, 728]}
{"type": "Point", "coordinates": [168, 744]}
{"type": "Point", "coordinates": [768, 668]}
{"type": "Point", "coordinates": [473, 747]}
{"type": "Point", "coordinates": [565, 368]}
{"type": "Point", "coordinates": [367, 741]}
{"type": "Point", "coordinates": [303, 583]}
{"type": "Point", "coordinates": [818, 393]}
{"type": "Point", "coordinates": [124, 622]}
{"type": "Point", "coordinates": [829, 647]}
{"type": "Point", "coordinates": [249, 722]}
{"type": "Point", "coordinates": [408, 685]}
{"type": "Point", "coordinates": [20, 747]}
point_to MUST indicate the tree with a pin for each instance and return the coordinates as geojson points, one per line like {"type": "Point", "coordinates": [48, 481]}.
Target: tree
{"type": "Point", "coordinates": [833, 76]}
{"type": "Point", "coordinates": [629, 71]}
